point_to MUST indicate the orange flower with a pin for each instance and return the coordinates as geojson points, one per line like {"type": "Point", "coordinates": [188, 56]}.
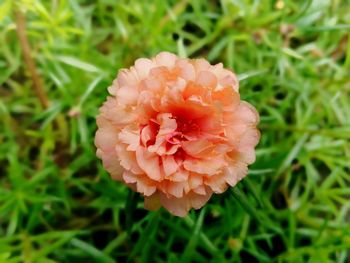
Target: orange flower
{"type": "Point", "coordinates": [176, 131]}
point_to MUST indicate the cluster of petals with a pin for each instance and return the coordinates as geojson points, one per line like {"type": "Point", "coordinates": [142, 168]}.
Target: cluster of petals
{"type": "Point", "coordinates": [176, 131]}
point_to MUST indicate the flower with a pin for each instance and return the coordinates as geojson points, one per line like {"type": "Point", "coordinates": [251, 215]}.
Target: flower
{"type": "Point", "coordinates": [176, 131]}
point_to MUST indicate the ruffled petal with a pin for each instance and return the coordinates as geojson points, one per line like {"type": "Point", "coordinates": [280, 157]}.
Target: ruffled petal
{"type": "Point", "coordinates": [176, 206]}
{"type": "Point", "coordinates": [199, 148]}
{"type": "Point", "coordinates": [206, 79]}
{"type": "Point", "coordinates": [143, 67]}
{"type": "Point", "coordinates": [205, 166]}
{"type": "Point", "coordinates": [127, 159]}
{"type": "Point", "coordinates": [181, 206]}
{"type": "Point", "coordinates": [176, 188]}
{"type": "Point", "coordinates": [187, 70]}
{"type": "Point", "coordinates": [149, 163]}
{"type": "Point", "coordinates": [200, 65]}
{"type": "Point", "coordinates": [217, 183]}
{"type": "Point", "coordinates": [247, 113]}
{"type": "Point", "coordinates": [127, 95]}
{"type": "Point", "coordinates": [106, 139]}
{"type": "Point", "coordinates": [165, 59]}
{"type": "Point", "coordinates": [130, 136]}
{"type": "Point", "coordinates": [179, 176]}
{"type": "Point", "coordinates": [169, 165]}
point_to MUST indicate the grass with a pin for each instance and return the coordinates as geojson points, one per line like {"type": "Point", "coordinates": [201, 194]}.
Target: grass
{"type": "Point", "coordinates": [57, 204]}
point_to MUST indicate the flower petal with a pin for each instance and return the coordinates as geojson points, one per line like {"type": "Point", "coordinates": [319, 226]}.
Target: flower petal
{"type": "Point", "coordinates": [165, 59]}
{"type": "Point", "coordinates": [206, 79]}
{"type": "Point", "coordinates": [176, 206]}
{"type": "Point", "coordinates": [143, 67]}
{"type": "Point", "coordinates": [127, 159]}
{"type": "Point", "coordinates": [179, 176]}
{"type": "Point", "coordinates": [129, 177]}
{"type": "Point", "coordinates": [217, 183]}
{"type": "Point", "coordinates": [199, 200]}
{"type": "Point", "coordinates": [176, 188]}
{"type": "Point", "coordinates": [195, 180]}
{"type": "Point", "coordinates": [127, 95]}
{"type": "Point", "coordinates": [197, 148]}
{"type": "Point", "coordinates": [187, 71]}
{"type": "Point", "coordinates": [247, 113]}
{"type": "Point", "coordinates": [130, 136]}
{"type": "Point", "coordinates": [200, 65]}
{"type": "Point", "coordinates": [169, 165]}
{"type": "Point", "coordinates": [181, 206]}
{"type": "Point", "coordinates": [205, 166]}
{"type": "Point", "coordinates": [149, 163]}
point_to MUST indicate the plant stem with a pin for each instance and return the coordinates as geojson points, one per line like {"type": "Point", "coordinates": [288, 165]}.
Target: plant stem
{"type": "Point", "coordinates": [28, 59]}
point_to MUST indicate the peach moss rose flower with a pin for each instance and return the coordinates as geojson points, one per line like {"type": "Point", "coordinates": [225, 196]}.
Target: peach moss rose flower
{"type": "Point", "coordinates": [176, 131]}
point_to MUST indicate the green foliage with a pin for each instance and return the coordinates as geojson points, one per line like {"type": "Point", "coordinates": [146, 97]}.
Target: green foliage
{"type": "Point", "coordinates": [57, 204]}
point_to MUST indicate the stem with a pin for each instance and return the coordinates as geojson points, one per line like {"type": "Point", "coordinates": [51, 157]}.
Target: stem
{"type": "Point", "coordinates": [38, 86]}
{"type": "Point", "coordinates": [28, 60]}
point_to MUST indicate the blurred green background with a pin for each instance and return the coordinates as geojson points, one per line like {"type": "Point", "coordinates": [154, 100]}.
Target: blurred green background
{"type": "Point", "coordinates": [57, 204]}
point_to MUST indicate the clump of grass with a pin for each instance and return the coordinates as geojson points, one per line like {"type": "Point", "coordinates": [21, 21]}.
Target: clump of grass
{"type": "Point", "coordinates": [57, 204]}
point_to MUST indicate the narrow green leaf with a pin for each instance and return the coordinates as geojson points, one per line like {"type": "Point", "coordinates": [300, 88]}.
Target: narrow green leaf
{"type": "Point", "coordinates": [98, 255]}
{"type": "Point", "coordinates": [186, 257]}
{"type": "Point", "coordinates": [77, 63]}
{"type": "Point", "coordinates": [153, 220]}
